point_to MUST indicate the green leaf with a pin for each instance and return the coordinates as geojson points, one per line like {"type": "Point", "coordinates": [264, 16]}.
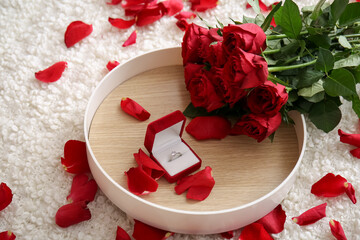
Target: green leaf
{"type": "Point", "coordinates": [248, 19]}
{"type": "Point", "coordinates": [336, 9]}
{"type": "Point", "coordinates": [269, 17]}
{"type": "Point", "coordinates": [325, 61]}
{"type": "Point", "coordinates": [344, 42]}
{"type": "Point", "coordinates": [193, 112]}
{"type": "Point", "coordinates": [321, 40]}
{"type": "Point", "coordinates": [316, 98]}
{"type": "Point", "coordinates": [350, 15]}
{"type": "Point", "coordinates": [356, 104]}
{"type": "Point", "coordinates": [308, 76]}
{"type": "Point", "coordinates": [317, 10]}
{"type": "Point", "coordinates": [255, 6]}
{"type": "Point", "coordinates": [326, 115]}
{"type": "Point", "coordinates": [311, 91]}
{"type": "Point", "coordinates": [351, 61]}
{"type": "Point", "coordinates": [341, 82]}
{"type": "Point", "coordinates": [289, 18]}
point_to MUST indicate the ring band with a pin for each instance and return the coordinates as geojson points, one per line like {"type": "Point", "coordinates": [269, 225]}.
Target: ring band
{"type": "Point", "coordinates": [174, 155]}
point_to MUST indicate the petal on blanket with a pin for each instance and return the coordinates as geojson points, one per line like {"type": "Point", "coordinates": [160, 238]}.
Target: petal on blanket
{"type": "Point", "coordinates": [121, 23]}
{"type": "Point", "coordinates": [172, 6]}
{"type": "Point", "coordinates": [52, 73]}
{"type": "Point", "coordinates": [329, 186]}
{"type": "Point", "coordinates": [355, 152]}
{"type": "Point", "coordinates": [76, 31]}
{"type": "Point", "coordinates": [121, 234]}
{"type": "Point", "coordinates": [182, 24]}
{"type": "Point", "coordinates": [111, 65]}
{"type": "Point", "coordinates": [6, 196]}
{"type": "Point", "coordinates": [143, 231]}
{"type": "Point", "coordinates": [350, 191]}
{"type": "Point", "coordinates": [352, 139]}
{"type": "Point", "coordinates": [274, 221]}
{"type": "Point", "coordinates": [208, 127]}
{"type": "Point", "coordinates": [185, 15]}
{"type": "Point", "coordinates": [312, 215]}
{"type": "Point", "coordinates": [337, 230]}
{"type": "Point", "coordinates": [139, 182]}
{"type": "Point", "coordinates": [82, 189]}
{"type": "Point", "coordinates": [72, 213]}
{"type": "Point", "coordinates": [148, 165]}
{"type": "Point", "coordinates": [227, 235]}
{"type": "Point", "coordinates": [75, 157]}
{"type": "Point", "coordinates": [202, 5]}
{"type": "Point", "coordinates": [199, 185]}
{"type": "Point", "coordinates": [131, 40]}
{"type": "Point", "coordinates": [134, 109]}
{"type": "Point", "coordinates": [254, 231]}
{"type": "Point", "coordinates": [7, 235]}
{"type": "Point", "coordinates": [114, 2]}
{"type": "Point", "coordinates": [150, 14]}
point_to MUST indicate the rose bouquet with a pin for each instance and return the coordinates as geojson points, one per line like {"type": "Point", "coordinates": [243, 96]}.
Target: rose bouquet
{"type": "Point", "coordinates": [255, 71]}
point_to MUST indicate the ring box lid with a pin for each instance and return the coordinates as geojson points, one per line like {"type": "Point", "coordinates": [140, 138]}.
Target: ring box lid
{"type": "Point", "coordinates": [163, 137]}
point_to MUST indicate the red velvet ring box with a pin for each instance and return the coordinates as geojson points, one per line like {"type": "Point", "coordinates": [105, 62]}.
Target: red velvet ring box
{"type": "Point", "coordinates": [165, 145]}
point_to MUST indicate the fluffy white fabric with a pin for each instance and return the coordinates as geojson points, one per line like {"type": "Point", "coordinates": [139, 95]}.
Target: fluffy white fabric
{"type": "Point", "coordinates": [36, 119]}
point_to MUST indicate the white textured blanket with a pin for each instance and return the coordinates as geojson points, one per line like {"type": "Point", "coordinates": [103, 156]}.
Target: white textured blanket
{"type": "Point", "coordinates": [36, 119]}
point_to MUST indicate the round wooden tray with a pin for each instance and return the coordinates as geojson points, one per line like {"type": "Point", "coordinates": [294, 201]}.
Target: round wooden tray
{"type": "Point", "coordinates": [251, 178]}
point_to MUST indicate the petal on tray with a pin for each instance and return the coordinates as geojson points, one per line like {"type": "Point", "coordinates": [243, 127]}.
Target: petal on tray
{"type": "Point", "coordinates": [72, 213]}
{"type": "Point", "coordinates": [254, 231]}
{"type": "Point", "coordinates": [121, 23]}
{"type": "Point", "coordinates": [208, 127]}
{"type": "Point", "coordinates": [131, 40]}
{"type": "Point", "coordinates": [121, 234]}
{"type": "Point", "coordinates": [76, 31]}
{"type": "Point", "coordinates": [199, 185]}
{"type": "Point", "coordinates": [350, 191]}
{"type": "Point", "coordinates": [274, 221]}
{"type": "Point", "coordinates": [82, 189]}
{"type": "Point", "coordinates": [134, 109]}
{"type": "Point", "coordinates": [52, 73]}
{"type": "Point", "coordinates": [312, 215]}
{"type": "Point", "coordinates": [7, 235]}
{"type": "Point", "coordinates": [352, 139]}
{"type": "Point", "coordinates": [329, 186]}
{"type": "Point", "coordinates": [6, 196]}
{"type": "Point", "coordinates": [148, 165]}
{"type": "Point", "coordinates": [111, 65]}
{"type": "Point", "coordinates": [143, 231]}
{"type": "Point", "coordinates": [337, 230]}
{"type": "Point", "coordinates": [75, 157]}
{"type": "Point", "coordinates": [139, 182]}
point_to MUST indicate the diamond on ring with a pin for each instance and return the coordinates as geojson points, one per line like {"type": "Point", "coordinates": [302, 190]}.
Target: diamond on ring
{"type": "Point", "coordinates": [174, 155]}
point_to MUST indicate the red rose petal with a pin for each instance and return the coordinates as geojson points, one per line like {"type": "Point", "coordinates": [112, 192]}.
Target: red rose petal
{"type": "Point", "coordinates": [355, 152]}
{"type": "Point", "coordinates": [150, 14]}
{"type": "Point", "coordinates": [199, 185]}
{"type": "Point", "coordinates": [227, 235]}
{"type": "Point", "coordinates": [5, 196]}
{"type": "Point", "coordinates": [254, 231]}
{"type": "Point", "coordinates": [143, 231]}
{"type": "Point", "coordinates": [77, 31]}
{"type": "Point", "coordinates": [121, 23]}
{"type": "Point", "coordinates": [72, 213]}
{"type": "Point", "coordinates": [173, 6]}
{"type": "Point", "coordinates": [111, 65]}
{"type": "Point", "coordinates": [52, 73]}
{"type": "Point", "coordinates": [209, 127]}
{"type": "Point", "coordinates": [350, 191]}
{"type": "Point", "coordinates": [75, 157]}
{"type": "Point", "coordinates": [7, 235]}
{"type": "Point", "coordinates": [121, 234]}
{"type": "Point", "coordinates": [337, 230]}
{"type": "Point", "coordinates": [202, 5]}
{"type": "Point", "coordinates": [131, 40]}
{"type": "Point", "coordinates": [274, 221]}
{"type": "Point", "coordinates": [352, 139]}
{"type": "Point", "coordinates": [182, 24]}
{"type": "Point", "coordinates": [311, 216]}
{"type": "Point", "coordinates": [134, 109]}
{"type": "Point", "coordinates": [114, 2]}
{"type": "Point", "coordinates": [185, 15]}
{"type": "Point", "coordinates": [329, 186]}
{"type": "Point", "coordinates": [148, 165]}
{"type": "Point", "coordinates": [139, 182]}
{"type": "Point", "coordinates": [82, 189]}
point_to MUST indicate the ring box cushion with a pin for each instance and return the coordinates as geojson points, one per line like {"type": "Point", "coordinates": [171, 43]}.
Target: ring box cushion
{"type": "Point", "coordinates": [163, 137]}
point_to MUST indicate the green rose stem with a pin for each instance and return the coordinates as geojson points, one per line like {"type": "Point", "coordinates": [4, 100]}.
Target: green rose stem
{"type": "Point", "coordinates": [283, 68]}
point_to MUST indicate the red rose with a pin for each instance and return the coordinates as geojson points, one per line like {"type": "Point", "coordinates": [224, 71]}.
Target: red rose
{"type": "Point", "coordinates": [216, 55]}
{"type": "Point", "coordinates": [196, 42]}
{"type": "Point", "coordinates": [202, 91]}
{"type": "Point", "coordinates": [258, 127]}
{"type": "Point", "coordinates": [267, 98]}
{"type": "Point", "coordinates": [249, 37]}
